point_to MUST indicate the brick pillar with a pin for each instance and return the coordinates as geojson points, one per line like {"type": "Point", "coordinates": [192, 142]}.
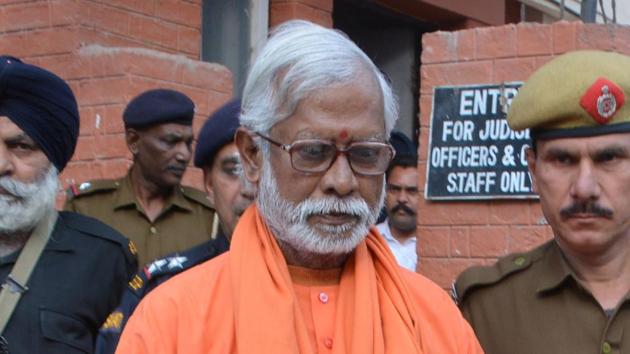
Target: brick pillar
{"type": "Point", "coordinates": [455, 235]}
{"type": "Point", "coordinates": [318, 11]}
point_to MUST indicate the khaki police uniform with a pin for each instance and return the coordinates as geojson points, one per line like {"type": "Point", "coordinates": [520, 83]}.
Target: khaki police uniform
{"type": "Point", "coordinates": [533, 303]}
{"type": "Point", "coordinates": [185, 221]}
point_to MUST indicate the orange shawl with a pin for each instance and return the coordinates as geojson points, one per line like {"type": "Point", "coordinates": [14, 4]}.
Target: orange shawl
{"type": "Point", "coordinates": [374, 315]}
{"type": "Point", "coordinates": [244, 302]}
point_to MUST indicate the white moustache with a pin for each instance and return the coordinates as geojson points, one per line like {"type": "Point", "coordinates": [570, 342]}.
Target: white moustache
{"type": "Point", "coordinates": [331, 205]}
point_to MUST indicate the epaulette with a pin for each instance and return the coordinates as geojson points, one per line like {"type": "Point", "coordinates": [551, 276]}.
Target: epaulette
{"type": "Point", "coordinates": [180, 261]}
{"type": "Point", "coordinates": [96, 228]}
{"type": "Point", "coordinates": [196, 195]}
{"type": "Point", "coordinates": [481, 276]}
{"type": "Point", "coordinates": [91, 187]}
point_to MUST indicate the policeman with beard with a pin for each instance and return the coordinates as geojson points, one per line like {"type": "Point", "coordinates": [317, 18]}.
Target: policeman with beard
{"type": "Point", "coordinates": [61, 273]}
{"type": "Point", "coordinates": [149, 205]}
{"type": "Point", "coordinates": [401, 202]}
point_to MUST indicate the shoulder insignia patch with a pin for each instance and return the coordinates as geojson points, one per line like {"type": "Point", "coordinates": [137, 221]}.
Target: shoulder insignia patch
{"type": "Point", "coordinates": [89, 187]}
{"type": "Point", "coordinates": [196, 195]}
{"type": "Point", "coordinates": [166, 265]}
{"type": "Point", "coordinates": [113, 321]}
{"type": "Point", "coordinates": [132, 248]}
{"type": "Point", "coordinates": [136, 283]}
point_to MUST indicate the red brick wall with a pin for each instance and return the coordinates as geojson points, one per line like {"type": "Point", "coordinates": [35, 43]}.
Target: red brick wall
{"type": "Point", "coordinates": [455, 235]}
{"type": "Point", "coordinates": [318, 11]}
{"type": "Point", "coordinates": [115, 76]}
{"type": "Point", "coordinates": [110, 51]}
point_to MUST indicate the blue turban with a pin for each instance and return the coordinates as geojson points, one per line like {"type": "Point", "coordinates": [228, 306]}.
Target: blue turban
{"type": "Point", "coordinates": [42, 105]}
{"type": "Point", "coordinates": [217, 132]}
{"type": "Point", "coordinates": [159, 106]}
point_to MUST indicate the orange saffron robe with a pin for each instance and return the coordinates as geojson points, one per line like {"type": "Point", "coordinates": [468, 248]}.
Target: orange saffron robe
{"type": "Point", "coordinates": [245, 301]}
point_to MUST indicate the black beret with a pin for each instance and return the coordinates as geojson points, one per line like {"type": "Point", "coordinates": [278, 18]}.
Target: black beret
{"type": "Point", "coordinates": [42, 105]}
{"type": "Point", "coordinates": [217, 132]}
{"type": "Point", "coordinates": [402, 144]}
{"type": "Point", "coordinates": [159, 106]}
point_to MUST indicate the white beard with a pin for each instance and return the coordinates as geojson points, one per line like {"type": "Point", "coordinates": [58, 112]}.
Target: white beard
{"type": "Point", "coordinates": [289, 221]}
{"type": "Point", "coordinates": [25, 204]}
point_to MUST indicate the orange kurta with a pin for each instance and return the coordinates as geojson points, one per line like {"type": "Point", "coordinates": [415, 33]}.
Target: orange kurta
{"type": "Point", "coordinates": [244, 301]}
{"type": "Point", "coordinates": [316, 292]}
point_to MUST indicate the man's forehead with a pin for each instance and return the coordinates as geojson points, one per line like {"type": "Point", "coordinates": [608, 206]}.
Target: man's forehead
{"type": "Point", "coordinates": [621, 140]}
{"type": "Point", "coordinates": [340, 135]}
{"type": "Point", "coordinates": [228, 152]}
{"type": "Point", "coordinates": [403, 172]}
{"type": "Point", "coordinates": [352, 110]}
{"type": "Point", "coordinates": [171, 128]}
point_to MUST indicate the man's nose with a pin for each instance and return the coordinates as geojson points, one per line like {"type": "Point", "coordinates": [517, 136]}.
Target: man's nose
{"type": "Point", "coordinates": [585, 184]}
{"type": "Point", "coordinates": [403, 196]}
{"type": "Point", "coordinates": [339, 178]}
{"type": "Point", "coordinates": [184, 152]}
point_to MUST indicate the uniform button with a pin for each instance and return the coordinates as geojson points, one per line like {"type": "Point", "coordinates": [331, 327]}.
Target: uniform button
{"type": "Point", "coordinates": [328, 342]}
{"type": "Point", "coordinates": [323, 297]}
{"type": "Point", "coordinates": [606, 348]}
{"type": "Point", "coordinates": [153, 229]}
{"type": "Point", "coordinates": [519, 261]}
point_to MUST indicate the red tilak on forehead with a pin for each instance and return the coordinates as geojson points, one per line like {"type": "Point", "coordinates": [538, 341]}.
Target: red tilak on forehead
{"type": "Point", "coordinates": [343, 134]}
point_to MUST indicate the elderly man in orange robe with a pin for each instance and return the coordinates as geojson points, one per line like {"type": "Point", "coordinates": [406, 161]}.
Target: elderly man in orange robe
{"type": "Point", "coordinates": [306, 271]}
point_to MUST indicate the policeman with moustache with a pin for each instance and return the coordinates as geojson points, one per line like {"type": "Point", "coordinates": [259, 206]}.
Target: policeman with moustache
{"type": "Point", "coordinates": [572, 293]}
{"type": "Point", "coordinates": [149, 205]}
{"type": "Point", "coordinates": [229, 193]}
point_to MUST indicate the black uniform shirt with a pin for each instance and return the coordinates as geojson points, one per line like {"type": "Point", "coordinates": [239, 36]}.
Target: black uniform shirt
{"type": "Point", "coordinates": [76, 283]}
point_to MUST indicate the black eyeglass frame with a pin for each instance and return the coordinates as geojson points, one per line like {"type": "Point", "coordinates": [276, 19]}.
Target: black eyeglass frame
{"type": "Point", "coordinates": [289, 148]}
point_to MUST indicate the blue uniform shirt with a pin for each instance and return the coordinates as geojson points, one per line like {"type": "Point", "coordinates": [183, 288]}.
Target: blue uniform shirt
{"type": "Point", "coordinates": [148, 279]}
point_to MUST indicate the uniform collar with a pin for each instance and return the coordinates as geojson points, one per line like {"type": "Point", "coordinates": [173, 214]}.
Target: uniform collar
{"type": "Point", "coordinates": [126, 196]}
{"type": "Point", "coordinates": [557, 270]}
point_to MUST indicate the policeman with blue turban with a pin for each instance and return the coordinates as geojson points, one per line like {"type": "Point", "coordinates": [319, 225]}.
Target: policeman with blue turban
{"type": "Point", "coordinates": [61, 272]}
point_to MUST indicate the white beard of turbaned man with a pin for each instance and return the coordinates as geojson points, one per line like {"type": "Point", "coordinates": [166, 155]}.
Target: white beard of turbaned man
{"type": "Point", "coordinates": [24, 204]}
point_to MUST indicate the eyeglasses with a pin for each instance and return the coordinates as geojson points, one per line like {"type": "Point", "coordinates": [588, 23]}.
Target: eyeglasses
{"type": "Point", "coordinates": [314, 156]}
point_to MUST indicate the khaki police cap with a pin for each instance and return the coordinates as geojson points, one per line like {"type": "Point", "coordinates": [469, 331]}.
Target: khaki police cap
{"type": "Point", "coordinates": [581, 93]}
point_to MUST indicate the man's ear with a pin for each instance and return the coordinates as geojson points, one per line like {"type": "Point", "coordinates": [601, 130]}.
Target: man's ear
{"type": "Point", "coordinates": [132, 137]}
{"type": "Point", "coordinates": [531, 164]}
{"type": "Point", "coordinates": [208, 185]}
{"type": "Point", "coordinates": [251, 156]}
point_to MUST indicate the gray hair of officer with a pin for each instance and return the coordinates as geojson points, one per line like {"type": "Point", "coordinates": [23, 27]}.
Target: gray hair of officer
{"type": "Point", "coordinates": [300, 58]}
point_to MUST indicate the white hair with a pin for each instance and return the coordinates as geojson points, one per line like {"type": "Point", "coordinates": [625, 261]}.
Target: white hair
{"type": "Point", "coordinates": [25, 204]}
{"type": "Point", "coordinates": [299, 58]}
